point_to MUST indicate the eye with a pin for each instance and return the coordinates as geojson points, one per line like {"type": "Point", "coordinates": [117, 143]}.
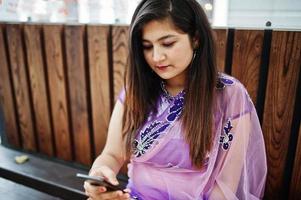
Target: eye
{"type": "Point", "coordinates": [147, 47]}
{"type": "Point", "coordinates": [168, 44]}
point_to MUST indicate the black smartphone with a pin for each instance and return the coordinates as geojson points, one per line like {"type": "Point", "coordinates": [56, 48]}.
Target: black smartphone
{"type": "Point", "coordinates": [99, 181]}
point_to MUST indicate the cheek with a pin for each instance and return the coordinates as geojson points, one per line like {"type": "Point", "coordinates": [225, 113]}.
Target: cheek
{"type": "Point", "coordinates": [182, 55]}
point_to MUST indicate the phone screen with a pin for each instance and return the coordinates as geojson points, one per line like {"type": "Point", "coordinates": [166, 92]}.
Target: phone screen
{"type": "Point", "coordinates": [99, 181]}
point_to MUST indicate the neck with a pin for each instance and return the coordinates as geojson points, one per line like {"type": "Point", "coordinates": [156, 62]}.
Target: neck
{"type": "Point", "coordinates": [175, 85]}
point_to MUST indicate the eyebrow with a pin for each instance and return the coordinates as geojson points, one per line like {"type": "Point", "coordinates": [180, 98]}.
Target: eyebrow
{"type": "Point", "coordinates": [161, 38]}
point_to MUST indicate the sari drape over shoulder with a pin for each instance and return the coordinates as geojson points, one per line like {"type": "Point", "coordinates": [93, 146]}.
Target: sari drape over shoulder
{"type": "Point", "coordinates": [235, 168]}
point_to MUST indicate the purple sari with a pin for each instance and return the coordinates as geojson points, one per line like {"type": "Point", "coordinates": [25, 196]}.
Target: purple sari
{"type": "Point", "coordinates": [235, 168]}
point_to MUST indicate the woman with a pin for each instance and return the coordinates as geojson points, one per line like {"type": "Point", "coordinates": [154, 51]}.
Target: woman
{"type": "Point", "coordinates": [189, 131]}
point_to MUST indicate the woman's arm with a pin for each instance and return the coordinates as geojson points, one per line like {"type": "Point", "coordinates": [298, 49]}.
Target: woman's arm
{"type": "Point", "coordinates": [113, 155]}
{"type": "Point", "coordinates": [228, 178]}
{"type": "Point", "coordinates": [109, 162]}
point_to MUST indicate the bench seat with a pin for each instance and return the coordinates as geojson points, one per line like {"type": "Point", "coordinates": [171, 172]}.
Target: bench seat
{"type": "Point", "coordinates": [48, 176]}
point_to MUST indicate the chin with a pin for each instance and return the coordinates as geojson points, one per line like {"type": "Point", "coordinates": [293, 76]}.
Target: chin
{"type": "Point", "coordinates": [165, 77]}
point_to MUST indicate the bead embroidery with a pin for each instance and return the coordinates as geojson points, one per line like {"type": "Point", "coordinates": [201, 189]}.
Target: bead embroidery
{"type": "Point", "coordinates": [222, 81]}
{"type": "Point", "coordinates": [226, 137]}
{"type": "Point", "coordinates": [151, 133]}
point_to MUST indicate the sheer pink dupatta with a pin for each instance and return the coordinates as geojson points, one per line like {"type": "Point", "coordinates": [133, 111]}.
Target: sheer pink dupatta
{"type": "Point", "coordinates": [240, 168]}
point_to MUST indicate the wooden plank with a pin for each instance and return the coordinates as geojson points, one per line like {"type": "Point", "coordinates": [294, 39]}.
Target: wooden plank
{"type": "Point", "coordinates": [120, 56]}
{"type": "Point", "coordinates": [57, 90]}
{"type": "Point", "coordinates": [284, 68]}
{"type": "Point", "coordinates": [41, 174]}
{"type": "Point", "coordinates": [120, 59]}
{"type": "Point", "coordinates": [74, 39]}
{"type": "Point", "coordinates": [15, 191]}
{"type": "Point", "coordinates": [20, 82]}
{"type": "Point", "coordinates": [6, 96]}
{"type": "Point", "coordinates": [99, 83]}
{"type": "Point", "coordinates": [32, 35]}
{"type": "Point", "coordinates": [221, 45]}
{"type": "Point", "coordinates": [246, 61]}
{"type": "Point", "coordinates": [295, 189]}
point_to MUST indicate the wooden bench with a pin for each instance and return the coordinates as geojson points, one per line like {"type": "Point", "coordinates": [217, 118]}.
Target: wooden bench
{"type": "Point", "coordinates": [41, 174]}
{"type": "Point", "coordinates": [15, 191]}
{"type": "Point", "coordinates": [58, 85]}
{"type": "Point", "coordinates": [56, 178]}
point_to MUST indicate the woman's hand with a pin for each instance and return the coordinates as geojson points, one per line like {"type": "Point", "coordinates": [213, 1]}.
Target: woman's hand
{"type": "Point", "coordinates": [100, 192]}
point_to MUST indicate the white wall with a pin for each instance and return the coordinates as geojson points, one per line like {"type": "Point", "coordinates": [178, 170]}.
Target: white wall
{"type": "Point", "coordinates": [228, 13]}
{"type": "Point", "coordinates": [255, 13]}
{"type": "Point", "coordinates": [8, 10]}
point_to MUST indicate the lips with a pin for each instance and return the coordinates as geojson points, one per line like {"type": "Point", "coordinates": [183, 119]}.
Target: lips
{"type": "Point", "coordinates": [161, 67]}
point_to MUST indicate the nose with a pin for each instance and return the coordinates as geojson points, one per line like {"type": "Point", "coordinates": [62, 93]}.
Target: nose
{"type": "Point", "coordinates": [158, 55]}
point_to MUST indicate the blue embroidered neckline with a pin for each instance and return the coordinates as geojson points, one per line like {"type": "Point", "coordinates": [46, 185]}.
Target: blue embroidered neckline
{"type": "Point", "coordinates": [149, 135]}
{"type": "Point", "coordinates": [166, 94]}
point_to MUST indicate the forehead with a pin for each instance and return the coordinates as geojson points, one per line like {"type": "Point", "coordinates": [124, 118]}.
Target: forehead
{"type": "Point", "coordinates": [157, 29]}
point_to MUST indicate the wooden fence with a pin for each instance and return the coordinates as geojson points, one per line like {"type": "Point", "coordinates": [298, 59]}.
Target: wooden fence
{"type": "Point", "coordinates": [58, 85]}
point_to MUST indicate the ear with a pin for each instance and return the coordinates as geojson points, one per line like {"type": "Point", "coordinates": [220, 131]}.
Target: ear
{"type": "Point", "coordinates": [195, 41]}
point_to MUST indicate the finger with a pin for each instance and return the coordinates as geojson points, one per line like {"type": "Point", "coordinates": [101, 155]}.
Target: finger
{"type": "Point", "coordinates": [127, 190]}
{"type": "Point", "coordinates": [91, 189]}
{"type": "Point", "coordinates": [125, 196]}
{"type": "Point", "coordinates": [112, 195]}
{"type": "Point", "coordinates": [109, 175]}
{"type": "Point", "coordinates": [86, 189]}
{"type": "Point", "coordinates": [105, 172]}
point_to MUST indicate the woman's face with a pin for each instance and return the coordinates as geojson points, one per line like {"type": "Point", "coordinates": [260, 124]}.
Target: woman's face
{"type": "Point", "coordinates": [167, 50]}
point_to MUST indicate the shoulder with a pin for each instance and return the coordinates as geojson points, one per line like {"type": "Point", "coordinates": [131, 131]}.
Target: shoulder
{"type": "Point", "coordinates": [232, 96]}
{"type": "Point", "coordinates": [228, 85]}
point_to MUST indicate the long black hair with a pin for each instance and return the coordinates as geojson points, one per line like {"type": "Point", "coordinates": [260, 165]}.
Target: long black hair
{"type": "Point", "coordinates": [143, 86]}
